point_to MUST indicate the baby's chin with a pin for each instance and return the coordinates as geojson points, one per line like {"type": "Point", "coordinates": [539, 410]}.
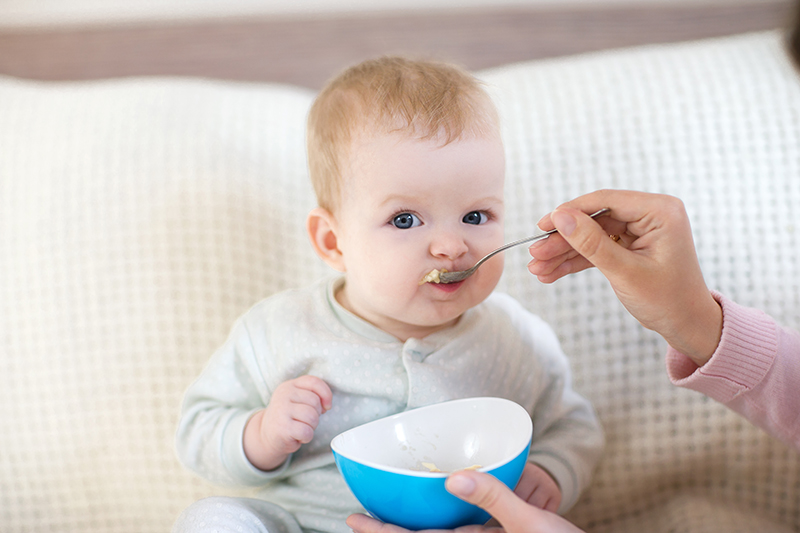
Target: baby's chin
{"type": "Point", "coordinates": [421, 327]}
{"type": "Point", "coordinates": [438, 321]}
{"type": "Point", "coordinates": [421, 332]}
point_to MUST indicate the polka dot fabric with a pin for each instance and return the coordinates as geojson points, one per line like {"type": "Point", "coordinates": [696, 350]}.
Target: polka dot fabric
{"type": "Point", "coordinates": [497, 349]}
{"type": "Point", "coordinates": [140, 217]}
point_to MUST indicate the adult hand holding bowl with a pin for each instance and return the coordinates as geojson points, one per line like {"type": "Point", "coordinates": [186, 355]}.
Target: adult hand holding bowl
{"type": "Point", "coordinates": [382, 461]}
{"type": "Point", "coordinates": [511, 513]}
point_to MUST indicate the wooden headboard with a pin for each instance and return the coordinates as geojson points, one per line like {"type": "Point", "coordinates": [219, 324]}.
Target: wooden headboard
{"type": "Point", "coordinates": [307, 50]}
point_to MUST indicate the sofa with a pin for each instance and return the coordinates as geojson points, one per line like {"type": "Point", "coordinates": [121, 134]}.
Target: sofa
{"type": "Point", "coordinates": [140, 216]}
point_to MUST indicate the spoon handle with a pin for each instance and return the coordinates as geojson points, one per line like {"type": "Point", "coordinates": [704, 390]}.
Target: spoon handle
{"type": "Point", "coordinates": [534, 237]}
{"type": "Point", "coordinates": [452, 277]}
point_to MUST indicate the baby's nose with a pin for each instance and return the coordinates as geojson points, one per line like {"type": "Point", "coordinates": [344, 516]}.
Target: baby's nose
{"type": "Point", "coordinates": [449, 245]}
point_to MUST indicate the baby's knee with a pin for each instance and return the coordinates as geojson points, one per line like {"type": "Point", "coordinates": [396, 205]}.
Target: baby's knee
{"type": "Point", "coordinates": [220, 513]}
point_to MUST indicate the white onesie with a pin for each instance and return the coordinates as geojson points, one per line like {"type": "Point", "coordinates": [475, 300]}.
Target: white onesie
{"type": "Point", "coordinates": [496, 349]}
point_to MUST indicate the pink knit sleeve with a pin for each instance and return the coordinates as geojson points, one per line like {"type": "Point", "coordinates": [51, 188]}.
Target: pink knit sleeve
{"type": "Point", "coordinates": [755, 371]}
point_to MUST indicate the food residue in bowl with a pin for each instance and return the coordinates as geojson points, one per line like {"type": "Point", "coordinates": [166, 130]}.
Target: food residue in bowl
{"type": "Point", "coordinates": [432, 467]}
{"type": "Point", "coordinates": [432, 276]}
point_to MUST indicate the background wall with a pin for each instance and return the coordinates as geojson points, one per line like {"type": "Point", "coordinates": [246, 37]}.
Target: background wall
{"type": "Point", "coordinates": [22, 13]}
{"type": "Point", "coordinates": [305, 42]}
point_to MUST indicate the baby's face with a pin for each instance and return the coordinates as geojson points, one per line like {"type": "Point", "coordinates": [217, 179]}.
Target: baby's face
{"type": "Point", "coordinates": [409, 207]}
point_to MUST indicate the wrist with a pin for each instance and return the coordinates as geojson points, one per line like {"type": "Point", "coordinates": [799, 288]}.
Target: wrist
{"type": "Point", "coordinates": [699, 335]}
{"type": "Point", "coordinates": [256, 450]}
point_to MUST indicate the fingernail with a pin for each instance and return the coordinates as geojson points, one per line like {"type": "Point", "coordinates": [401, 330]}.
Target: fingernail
{"type": "Point", "coordinates": [538, 243]}
{"type": "Point", "coordinates": [539, 224]}
{"type": "Point", "coordinates": [564, 222]}
{"type": "Point", "coordinates": [460, 485]}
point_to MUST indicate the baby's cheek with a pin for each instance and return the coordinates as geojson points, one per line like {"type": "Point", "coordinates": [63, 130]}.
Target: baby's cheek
{"type": "Point", "coordinates": [492, 271]}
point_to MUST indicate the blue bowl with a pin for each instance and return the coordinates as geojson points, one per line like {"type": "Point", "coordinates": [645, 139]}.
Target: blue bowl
{"type": "Point", "coordinates": [387, 463]}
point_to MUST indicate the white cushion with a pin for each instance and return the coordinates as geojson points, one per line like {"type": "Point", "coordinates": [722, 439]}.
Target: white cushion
{"type": "Point", "coordinates": [140, 217]}
{"type": "Point", "coordinates": [716, 123]}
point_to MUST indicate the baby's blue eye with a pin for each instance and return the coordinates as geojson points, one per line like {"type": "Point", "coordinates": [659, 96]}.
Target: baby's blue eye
{"type": "Point", "coordinates": [405, 221]}
{"type": "Point", "coordinates": [475, 217]}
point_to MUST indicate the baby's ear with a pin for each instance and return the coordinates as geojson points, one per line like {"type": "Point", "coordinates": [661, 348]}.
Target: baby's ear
{"type": "Point", "coordinates": [322, 228]}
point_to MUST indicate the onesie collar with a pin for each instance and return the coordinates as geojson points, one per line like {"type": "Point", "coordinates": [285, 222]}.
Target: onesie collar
{"type": "Point", "coordinates": [354, 323]}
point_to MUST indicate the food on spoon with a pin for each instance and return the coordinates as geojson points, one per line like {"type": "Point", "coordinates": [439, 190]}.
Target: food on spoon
{"type": "Point", "coordinates": [433, 276]}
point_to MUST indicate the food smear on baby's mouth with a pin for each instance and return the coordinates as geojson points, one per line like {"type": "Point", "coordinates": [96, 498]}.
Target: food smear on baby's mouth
{"type": "Point", "coordinates": [433, 276]}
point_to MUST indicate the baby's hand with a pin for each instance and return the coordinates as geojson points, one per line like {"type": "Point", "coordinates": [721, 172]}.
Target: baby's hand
{"type": "Point", "coordinates": [539, 489]}
{"type": "Point", "coordinates": [287, 422]}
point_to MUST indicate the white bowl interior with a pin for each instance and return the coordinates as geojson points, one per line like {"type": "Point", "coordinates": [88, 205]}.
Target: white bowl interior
{"type": "Point", "coordinates": [453, 435]}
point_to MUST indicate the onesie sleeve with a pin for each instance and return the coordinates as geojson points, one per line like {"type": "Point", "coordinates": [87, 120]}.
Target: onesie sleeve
{"type": "Point", "coordinates": [567, 437]}
{"type": "Point", "coordinates": [215, 410]}
{"type": "Point", "coordinates": [755, 370]}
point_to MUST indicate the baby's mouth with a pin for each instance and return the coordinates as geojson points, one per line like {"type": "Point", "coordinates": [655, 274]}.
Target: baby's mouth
{"type": "Point", "coordinates": [432, 276]}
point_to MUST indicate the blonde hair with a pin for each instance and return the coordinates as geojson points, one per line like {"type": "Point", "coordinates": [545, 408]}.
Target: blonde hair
{"type": "Point", "coordinates": [422, 99]}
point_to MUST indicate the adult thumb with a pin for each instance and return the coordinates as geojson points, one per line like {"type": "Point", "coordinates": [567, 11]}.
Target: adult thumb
{"type": "Point", "coordinates": [586, 236]}
{"type": "Point", "coordinates": [491, 495]}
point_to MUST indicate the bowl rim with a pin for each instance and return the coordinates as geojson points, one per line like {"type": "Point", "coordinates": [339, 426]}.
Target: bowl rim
{"type": "Point", "coordinates": [421, 473]}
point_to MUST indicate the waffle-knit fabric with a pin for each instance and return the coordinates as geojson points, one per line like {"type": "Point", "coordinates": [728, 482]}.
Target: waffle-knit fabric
{"type": "Point", "coordinates": [716, 123]}
{"type": "Point", "coordinates": [140, 217]}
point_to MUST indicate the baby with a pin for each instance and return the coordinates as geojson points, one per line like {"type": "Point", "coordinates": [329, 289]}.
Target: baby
{"type": "Point", "coordinates": [408, 167]}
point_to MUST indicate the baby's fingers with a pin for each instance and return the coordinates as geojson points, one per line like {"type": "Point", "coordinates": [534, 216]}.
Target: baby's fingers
{"type": "Point", "coordinates": [319, 388]}
{"type": "Point", "coordinates": [305, 398]}
{"type": "Point", "coordinates": [544, 499]}
{"type": "Point", "coordinates": [305, 414]}
{"type": "Point", "coordinates": [300, 432]}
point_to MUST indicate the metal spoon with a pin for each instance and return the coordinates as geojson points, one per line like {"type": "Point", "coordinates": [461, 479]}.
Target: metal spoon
{"type": "Point", "coordinates": [460, 275]}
